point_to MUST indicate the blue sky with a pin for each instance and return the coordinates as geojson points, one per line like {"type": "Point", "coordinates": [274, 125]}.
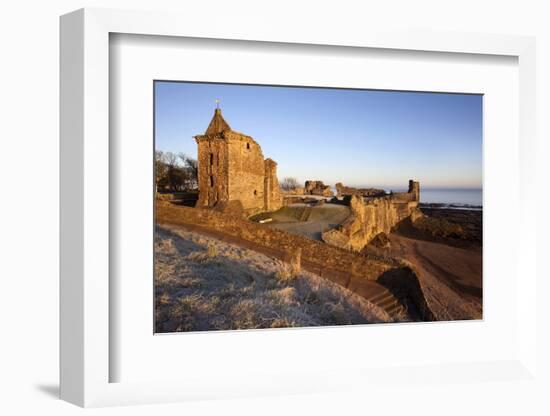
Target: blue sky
{"type": "Point", "coordinates": [358, 137]}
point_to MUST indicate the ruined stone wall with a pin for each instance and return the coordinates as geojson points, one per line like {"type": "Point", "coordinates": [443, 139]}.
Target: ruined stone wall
{"type": "Point", "coordinates": [414, 190]}
{"type": "Point", "coordinates": [273, 199]}
{"type": "Point", "coordinates": [317, 188]}
{"type": "Point", "coordinates": [212, 171]}
{"type": "Point", "coordinates": [371, 217]}
{"type": "Point", "coordinates": [338, 265]}
{"type": "Point", "coordinates": [342, 190]}
{"type": "Point", "coordinates": [322, 257]}
{"type": "Point", "coordinates": [245, 172]}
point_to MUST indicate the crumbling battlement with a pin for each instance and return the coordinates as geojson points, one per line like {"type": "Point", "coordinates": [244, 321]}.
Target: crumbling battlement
{"type": "Point", "coordinates": [370, 217]}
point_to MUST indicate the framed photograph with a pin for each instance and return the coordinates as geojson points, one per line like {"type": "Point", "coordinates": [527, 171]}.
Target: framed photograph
{"type": "Point", "coordinates": [237, 210]}
{"type": "Point", "coordinates": [246, 242]}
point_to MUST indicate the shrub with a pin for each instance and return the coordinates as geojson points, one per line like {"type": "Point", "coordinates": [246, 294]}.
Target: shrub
{"type": "Point", "coordinates": [212, 251]}
{"type": "Point", "coordinates": [203, 256]}
{"type": "Point", "coordinates": [286, 273]}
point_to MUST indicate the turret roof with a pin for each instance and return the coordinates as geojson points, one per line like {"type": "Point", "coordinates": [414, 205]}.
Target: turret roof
{"type": "Point", "coordinates": [217, 124]}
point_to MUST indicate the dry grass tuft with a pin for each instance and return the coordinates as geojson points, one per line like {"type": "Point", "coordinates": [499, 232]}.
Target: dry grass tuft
{"type": "Point", "coordinates": [204, 284]}
{"type": "Point", "coordinates": [211, 251]}
{"type": "Point", "coordinates": [202, 255]}
{"type": "Point", "coordinates": [286, 273]}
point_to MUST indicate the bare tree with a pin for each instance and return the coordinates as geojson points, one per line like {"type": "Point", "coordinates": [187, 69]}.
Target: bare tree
{"type": "Point", "coordinates": [160, 171]}
{"type": "Point", "coordinates": [289, 184]}
{"type": "Point", "coordinates": [191, 167]}
{"type": "Point", "coordinates": [175, 172]}
{"type": "Point", "coordinates": [171, 159]}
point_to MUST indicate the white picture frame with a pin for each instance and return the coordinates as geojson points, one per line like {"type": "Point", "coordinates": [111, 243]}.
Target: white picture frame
{"type": "Point", "coordinates": [85, 217]}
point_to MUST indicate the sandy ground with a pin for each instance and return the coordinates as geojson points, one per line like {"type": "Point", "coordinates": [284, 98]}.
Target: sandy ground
{"type": "Point", "coordinates": [451, 277]}
{"type": "Point", "coordinates": [202, 283]}
{"type": "Point", "coordinates": [322, 218]}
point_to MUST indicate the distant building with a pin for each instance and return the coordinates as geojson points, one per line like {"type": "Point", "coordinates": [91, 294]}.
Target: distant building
{"type": "Point", "coordinates": [233, 175]}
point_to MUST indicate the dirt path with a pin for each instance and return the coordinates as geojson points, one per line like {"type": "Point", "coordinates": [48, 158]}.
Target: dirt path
{"type": "Point", "coordinates": [459, 269]}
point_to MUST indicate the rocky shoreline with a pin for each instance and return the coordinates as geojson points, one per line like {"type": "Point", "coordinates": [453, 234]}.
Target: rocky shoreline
{"type": "Point", "coordinates": [438, 205]}
{"type": "Point", "coordinates": [471, 220]}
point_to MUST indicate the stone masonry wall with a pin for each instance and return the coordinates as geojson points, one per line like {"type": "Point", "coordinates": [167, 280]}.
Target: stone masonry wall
{"type": "Point", "coordinates": [341, 266]}
{"type": "Point", "coordinates": [342, 190]}
{"type": "Point", "coordinates": [213, 172]}
{"type": "Point", "coordinates": [317, 188]}
{"type": "Point", "coordinates": [232, 173]}
{"type": "Point", "coordinates": [273, 199]}
{"type": "Point", "coordinates": [322, 256]}
{"type": "Point", "coordinates": [371, 217]}
{"type": "Point", "coordinates": [245, 172]}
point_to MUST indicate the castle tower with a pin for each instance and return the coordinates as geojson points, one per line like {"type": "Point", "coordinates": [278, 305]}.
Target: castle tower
{"type": "Point", "coordinates": [232, 171]}
{"type": "Point", "coordinates": [414, 189]}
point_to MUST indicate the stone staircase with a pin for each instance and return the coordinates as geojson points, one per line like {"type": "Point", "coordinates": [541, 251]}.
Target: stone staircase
{"type": "Point", "coordinates": [305, 214]}
{"type": "Point", "coordinates": [381, 297]}
{"type": "Point", "coordinates": [388, 302]}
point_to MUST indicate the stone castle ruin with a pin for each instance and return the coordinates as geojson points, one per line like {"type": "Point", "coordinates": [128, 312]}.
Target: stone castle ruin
{"type": "Point", "coordinates": [341, 238]}
{"type": "Point", "coordinates": [234, 178]}
{"type": "Point", "coordinates": [371, 217]}
{"type": "Point", "coordinates": [233, 175]}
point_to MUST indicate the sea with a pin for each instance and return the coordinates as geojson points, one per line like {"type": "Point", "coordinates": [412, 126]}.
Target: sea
{"type": "Point", "coordinates": [457, 198]}
{"type": "Point", "coordinates": [449, 197]}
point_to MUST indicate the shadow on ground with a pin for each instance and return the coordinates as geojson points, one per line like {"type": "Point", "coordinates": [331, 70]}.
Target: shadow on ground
{"type": "Point", "coordinates": [51, 390]}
